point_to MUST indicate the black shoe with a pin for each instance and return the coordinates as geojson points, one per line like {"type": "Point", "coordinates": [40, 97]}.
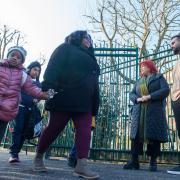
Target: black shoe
{"type": "Point", "coordinates": [72, 162]}
{"type": "Point", "coordinates": [153, 165]}
{"type": "Point", "coordinates": [175, 170]}
{"type": "Point", "coordinates": [132, 165]}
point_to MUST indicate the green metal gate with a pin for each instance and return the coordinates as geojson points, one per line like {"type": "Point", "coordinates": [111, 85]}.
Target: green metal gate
{"type": "Point", "coordinates": [119, 71]}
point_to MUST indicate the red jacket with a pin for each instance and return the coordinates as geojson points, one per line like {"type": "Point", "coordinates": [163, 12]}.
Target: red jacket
{"type": "Point", "coordinates": [11, 82]}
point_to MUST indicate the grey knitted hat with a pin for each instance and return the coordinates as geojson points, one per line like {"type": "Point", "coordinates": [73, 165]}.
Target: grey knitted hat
{"type": "Point", "coordinates": [20, 49]}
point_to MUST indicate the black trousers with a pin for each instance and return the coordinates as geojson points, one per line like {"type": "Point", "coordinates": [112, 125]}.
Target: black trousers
{"type": "Point", "coordinates": [3, 126]}
{"type": "Point", "coordinates": [176, 110]}
{"type": "Point", "coordinates": [153, 148]}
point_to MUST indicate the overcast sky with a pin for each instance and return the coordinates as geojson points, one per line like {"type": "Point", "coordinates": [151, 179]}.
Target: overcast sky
{"type": "Point", "coordinates": [44, 22]}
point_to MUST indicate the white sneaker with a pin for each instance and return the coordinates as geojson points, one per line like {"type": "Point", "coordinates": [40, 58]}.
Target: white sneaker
{"type": "Point", "coordinates": [175, 170]}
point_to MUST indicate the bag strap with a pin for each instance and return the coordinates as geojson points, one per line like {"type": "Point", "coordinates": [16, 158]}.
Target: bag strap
{"type": "Point", "coordinates": [24, 78]}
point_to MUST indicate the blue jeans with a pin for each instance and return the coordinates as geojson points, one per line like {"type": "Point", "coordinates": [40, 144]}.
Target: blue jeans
{"type": "Point", "coordinates": [18, 138]}
{"type": "Point", "coordinates": [73, 152]}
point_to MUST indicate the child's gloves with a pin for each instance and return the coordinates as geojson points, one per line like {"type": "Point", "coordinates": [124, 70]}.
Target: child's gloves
{"type": "Point", "coordinates": [48, 94]}
{"type": "Point", "coordinates": [51, 93]}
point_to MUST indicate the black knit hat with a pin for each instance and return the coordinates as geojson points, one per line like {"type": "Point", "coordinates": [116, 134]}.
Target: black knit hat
{"type": "Point", "coordinates": [32, 65]}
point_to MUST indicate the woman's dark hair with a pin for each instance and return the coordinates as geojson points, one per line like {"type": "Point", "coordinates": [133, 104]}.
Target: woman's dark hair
{"type": "Point", "coordinates": [76, 37]}
{"type": "Point", "coordinates": [176, 36]}
{"type": "Point", "coordinates": [32, 65]}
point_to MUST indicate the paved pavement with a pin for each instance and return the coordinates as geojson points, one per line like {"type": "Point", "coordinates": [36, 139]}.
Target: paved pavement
{"type": "Point", "coordinates": [58, 170]}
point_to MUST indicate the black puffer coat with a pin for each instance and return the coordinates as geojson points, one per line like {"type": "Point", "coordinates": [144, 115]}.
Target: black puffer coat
{"type": "Point", "coordinates": [73, 72]}
{"type": "Point", "coordinates": [156, 124]}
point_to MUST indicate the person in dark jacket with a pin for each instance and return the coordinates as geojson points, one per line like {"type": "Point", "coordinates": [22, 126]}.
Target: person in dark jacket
{"type": "Point", "coordinates": [149, 123]}
{"type": "Point", "coordinates": [27, 106]}
{"type": "Point", "coordinates": [73, 73]}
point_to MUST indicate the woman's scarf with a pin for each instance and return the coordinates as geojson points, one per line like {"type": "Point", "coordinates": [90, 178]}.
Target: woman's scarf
{"type": "Point", "coordinates": [142, 124]}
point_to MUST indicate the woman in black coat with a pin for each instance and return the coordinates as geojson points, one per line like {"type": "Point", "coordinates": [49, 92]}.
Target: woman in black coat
{"type": "Point", "coordinates": [73, 73]}
{"type": "Point", "coordinates": [149, 123]}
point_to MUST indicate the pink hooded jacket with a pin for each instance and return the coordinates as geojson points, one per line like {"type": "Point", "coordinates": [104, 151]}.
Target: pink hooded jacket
{"type": "Point", "coordinates": [11, 82]}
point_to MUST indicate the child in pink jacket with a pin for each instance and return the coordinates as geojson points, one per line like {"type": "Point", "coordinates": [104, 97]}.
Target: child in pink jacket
{"type": "Point", "coordinates": [12, 80]}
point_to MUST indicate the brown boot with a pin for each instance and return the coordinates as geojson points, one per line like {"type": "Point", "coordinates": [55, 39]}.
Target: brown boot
{"type": "Point", "coordinates": [82, 170]}
{"type": "Point", "coordinates": [38, 164]}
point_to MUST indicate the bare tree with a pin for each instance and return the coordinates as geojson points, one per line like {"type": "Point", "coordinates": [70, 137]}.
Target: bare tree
{"type": "Point", "coordinates": [9, 37]}
{"type": "Point", "coordinates": [42, 59]}
{"type": "Point", "coordinates": [145, 24]}
{"type": "Point", "coordinates": [107, 20]}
